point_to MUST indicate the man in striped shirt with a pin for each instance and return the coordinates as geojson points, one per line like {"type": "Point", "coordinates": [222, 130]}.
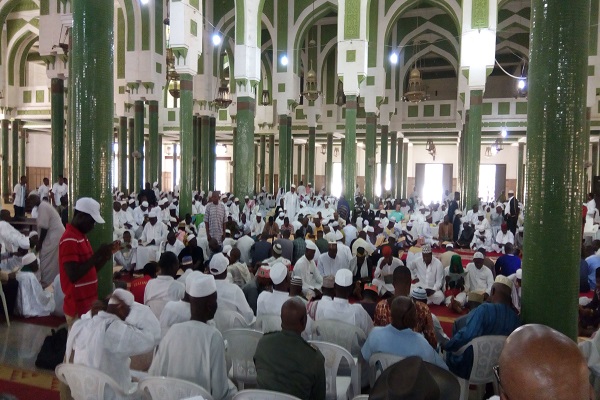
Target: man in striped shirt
{"type": "Point", "coordinates": [215, 218]}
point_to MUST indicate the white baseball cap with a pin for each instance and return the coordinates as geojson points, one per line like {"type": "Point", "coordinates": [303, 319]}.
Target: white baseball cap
{"type": "Point", "coordinates": [91, 207]}
{"type": "Point", "coordinates": [343, 277]}
{"type": "Point", "coordinates": [218, 264]}
{"type": "Point", "coordinates": [278, 273]}
{"type": "Point", "coordinates": [202, 286]}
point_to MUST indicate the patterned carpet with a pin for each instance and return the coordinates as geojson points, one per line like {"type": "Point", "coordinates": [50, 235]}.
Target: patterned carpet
{"type": "Point", "coordinates": [28, 384]}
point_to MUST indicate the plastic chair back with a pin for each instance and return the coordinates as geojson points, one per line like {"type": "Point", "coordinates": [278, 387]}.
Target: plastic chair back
{"type": "Point", "coordinates": [88, 383]}
{"type": "Point", "coordinates": [227, 319]}
{"type": "Point", "coordinates": [268, 323]}
{"type": "Point", "coordinates": [158, 387]}
{"type": "Point", "coordinates": [333, 355]}
{"type": "Point", "coordinates": [348, 336]}
{"type": "Point", "coordinates": [157, 306]}
{"type": "Point", "coordinates": [486, 352]}
{"type": "Point", "coordinates": [241, 347]}
{"type": "Point", "coordinates": [379, 362]}
{"type": "Point", "coordinates": [256, 394]}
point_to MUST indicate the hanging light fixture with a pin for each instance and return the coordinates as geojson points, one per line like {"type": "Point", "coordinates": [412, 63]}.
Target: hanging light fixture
{"type": "Point", "coordinates": [416, 91]}
{"type": "Point", "coordinates": [336, 151]}
{"type": "Point", "coordinates": [310, 85]}
{"type": "Point", "coordinates": [498, 145]}
{"type": "Point", "coordinates": [172, 75]}
{"type": "Point", "coordinates": [323, 150]}
{"type": "Point", "coordinates": [430, 147]}
{"type": "Point", "coordinates": [488, 152]}
{"type": "Point", "coordinates": [266, 96]}
{"type": "Point", "coordinates": [223, 99]}
{"type": "Point", "coordinates": [340, 96]}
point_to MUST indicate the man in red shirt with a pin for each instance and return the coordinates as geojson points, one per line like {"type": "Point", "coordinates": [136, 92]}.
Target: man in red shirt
{"type": "Point", "coordinates": [77, 261]}
{"type": "Point", "coordinates": [138, 286]}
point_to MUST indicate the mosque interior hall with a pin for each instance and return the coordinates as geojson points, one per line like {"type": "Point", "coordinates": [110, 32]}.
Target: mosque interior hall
{"type": "Point", "coordinates": [389, 99]}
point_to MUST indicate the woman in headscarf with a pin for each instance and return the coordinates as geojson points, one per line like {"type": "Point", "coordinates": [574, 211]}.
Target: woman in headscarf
{"type": "Point", "coordinates": [455, 284]}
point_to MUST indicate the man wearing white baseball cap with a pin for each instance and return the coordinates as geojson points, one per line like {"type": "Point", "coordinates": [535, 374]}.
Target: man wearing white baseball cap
{"type": "Point", "coordinates": [229, 296]}
{"type": "Point", "coordinates": [270, 303]}
{"type": "Point", "coordinates": [78, 264]}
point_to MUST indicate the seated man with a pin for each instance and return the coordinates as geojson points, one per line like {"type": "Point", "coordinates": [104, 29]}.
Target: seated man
{"type": "Point", "coordinates": [126, 256]}
{"type": "Point", "coordinates": [230, 296]}
{"type": "Point", "coordinates": [172, 244]}
{"type": "Point", "coordinates": [164, 287]}
{"type": "Point", "coordinates": [481, 239]}
{"type": "Point", "coordinates": [503, 237]}
{"type": "Point", "coordinates": [385, 268]}
{"type": "Point", "coordinates": [269, 303]}
{"type": "Point", "coordinates": [178, 311]}
{"type": "Point", "coordinates": [138, 285]}
{"type": "Point", "coordinates": [494, 318]}
{"type": "Point", "coordinates": [428, 273]}
{"type": "Point", "coordinates": [478, 277]}
{"type": "Point", "coordinates": [193, 250]}
{"type": "Point", "coordinates": [154, 233]}
{"type": "Point", "coordinates": [194, 351]}
{"type": "Point", "coordinates": [306, 269]}
{"type": "Point", "coordinates": [589, 315]}
{"type": "Point", "coordinates": [107, 340]}
{"type": "Point", "coordinates": [32, 300]}
{"type": "Point", "coordinates": [301, 372]}
{"type": "Point", "coordinates": [399, 338]}
{"type": "Point", "coordinates": [240, 273]}
{"type": "Point", "coordinates": [509, 263]}
{"type": "Point", "coordinates": [466, 237]}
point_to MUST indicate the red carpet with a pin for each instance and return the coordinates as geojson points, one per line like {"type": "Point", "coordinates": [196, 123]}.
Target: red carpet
{"type": "Point", "coordinates": [49, 321]}
{"type": "Point", "coordinates": [445, 316]}
{"type": "Point", "coordinates": [21, 391]}
{"type": "Point", "coordinates": [27, 385]}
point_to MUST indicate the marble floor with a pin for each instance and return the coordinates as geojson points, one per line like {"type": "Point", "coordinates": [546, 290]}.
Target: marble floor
{"type": "Point", "coordinates": [20, 344]}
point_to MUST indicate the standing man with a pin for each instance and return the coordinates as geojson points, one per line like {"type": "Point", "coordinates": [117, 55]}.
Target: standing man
{"type": "Point", "coordinates": [19, 196]}
{"type": "Point", "coordinates": [215, 218]}
{"type": "Point", "coordinates": [453, 206]}
{"type": "Point", "coordinates": [59, 189]}
{"type": "Point", "coordinates": [77, 261]}
{"type": "Point", "coordinates": [290, 201]}
{"type": "Point", "coordinates": [44, 190]}
{"type": "Point", "coordinates": [50, 230]}
{"type": "Point", "coordinates": [512, 214]}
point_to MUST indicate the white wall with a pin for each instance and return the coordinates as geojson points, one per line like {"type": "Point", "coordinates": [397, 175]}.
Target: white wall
{"type": "Point", "coordinates": [38, 153]}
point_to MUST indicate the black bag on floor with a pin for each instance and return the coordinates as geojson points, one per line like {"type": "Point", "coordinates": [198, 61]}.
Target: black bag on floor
{"type": "Point", "coordinates": [53, 350]}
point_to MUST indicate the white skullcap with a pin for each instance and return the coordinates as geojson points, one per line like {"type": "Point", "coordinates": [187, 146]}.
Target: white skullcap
{"type": "Point", "coordinates": [28, 259]}
{"type": "Point", "coordinates": [122, 203]}
{"type": "Point", "coordinates": [144, 204]}
{"type": "Point", "coordinates": [123, 295]}
{"type": "Point", "coordinates": [163, 201]}
{"type": "Point", "coordinates": [236, 199]}
{"type": "Point", "coordinates": [338, 235]}
{"type": "Point", "coordinates": [293, 186]}
{"type": "Point", "coordinates": [173, 206]}
{"type": "Point", "coordinates": [227, 231]}
{"type": "Point", "coordinates": [426, 249]}
{"type": "Point", "coordinates": [368, 229]}
{"type": "Point", "coordinates": [343, 277]}
{"type": "Point", "coordinates": [335, 223]}
{"type": "Point", "coordinates": [173, 219]}
{"type": "Point", "coordinates": [504, 281]}
{"type": "Point", "coordinates": [190, 278]}
{"type": "Point", "coordinates": [519, 273]}
{"type": "Point", "coordinates": [480, 214]}
{"type": "Point", "coordinates": [511, 191]}
{"type": "Point", "coordinates": [155, 184]}
{"type": "Point", "coordinates": [246, 198]}
{"type": "Point", "coordinates": [154, 213]}
{"type": "Point", "coordinates": [226, 249]}
{"type": "Point", "coordinates": [392, 219]}
{"type": "Point", "coordinates": [218, 264]}
{"type": "Point", "coordinates": [521, 229]}
{"type": "Point", "coordinates": [190, 237]}
{"type": "Point", "coordinates": [24, 243]}
{"type": "Point", "coordinates": [278, 273]}
{"type": "Point", "coordinates": [32, 234]}
{"type": "Point", "coordinates": [303, 204]}
{"type": "Point", "coordinates": [132, 201]}
{"type": "Point", "coordinates": [480, 228]}
{"type": "Point", "coordinates": [202, 286]}
{"type": "Point", "coordinates": [478, 255]}
{"type": "Point", "coordinates": [310, 245]}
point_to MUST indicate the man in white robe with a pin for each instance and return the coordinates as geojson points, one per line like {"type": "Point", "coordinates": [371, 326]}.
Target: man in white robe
{"type": "Point", "coordinates": [306, 269]}
{"type": "Point", "coordinates": [50, 230]}
{"type": "Point", "coordinates": [194, 351]}
{"type": "Point", "coordinates": [32, 299]}
{"type": "Point", "coordinates": [290, 202]}
{"type": "Point", "coordinates": [127, 254]}
{"type": "Point", "coordinates": [332, 261]}
{"type": "Point", "coordinates": [428, 273]}
{"type": "Point", "coordinates": [154, 233]}
{"type": "Point", "coordinates": [164, 288]}
{"type": "Point", "coordinates": [503, 237]}
{"type": "Point", "coordinates": [229, 296]}
{"type": "Point", "coordinates": [385, 270]}
{"type": "Point", "coordinates": [178, 311]}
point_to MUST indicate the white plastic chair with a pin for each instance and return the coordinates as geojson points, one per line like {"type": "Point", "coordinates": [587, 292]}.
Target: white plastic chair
{"type": "Point", "coordinates": [227, 319]}
{"type": "Point", "coordinates": [378, 363]}
{"type": "Point", "coordinates": [241, 347]}
{"type": "Point", "coordinates": [157, 306]}
{"type": "Point", "coordinates": [88, 383]}
{"type": "Point", "coordinates": [486, 352]}
{"type": "Point", "coordinates": [4, 306]}
{"type": "Point", "coordinates": [159, 387]}
{"type": "Point", "coordinates": [339, 387]}
{"type": "Point", "coordinates": [333, 331]}
{"type": "Point", "coordinates": [257, 394]}
{"type": "Point", "coordinates": [268, 323]}
{"type": "Point", "coordinates": [362, 397]}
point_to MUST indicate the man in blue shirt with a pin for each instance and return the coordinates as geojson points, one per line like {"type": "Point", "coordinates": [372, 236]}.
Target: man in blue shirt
{"type": "Point", "coordinates": [593, 264]}
{"type": "Point", "coordinates": [495, 318]}
{"type": "Point", "coordinates": [509, 263]}
{"type": "Point", "coordinates": [398, 338]}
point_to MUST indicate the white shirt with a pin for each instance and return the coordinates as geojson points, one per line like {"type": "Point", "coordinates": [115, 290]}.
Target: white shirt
{"type": "Point", "coordinates": [290, 203]}
{"type": "Point", "coordinates": [174, 313]}
{"type": "Point", "coordinates": [59, 191]}
{"type": "Point", "coordinates": [307, 270]}
{"type": "Point", "coordinates": [430, 276]}
{"type": "Point", "coordinates": [342, 310]}
{"type": "Point", "coordinates": [139, 215]}
{"type": "Point", "coordinates": [350, 233]}
{"type": "Point", "coordinates": [486, 243]}
{"type": "Point", "coordinates": [244, 244]}
{"type": "Point", "coordinates": [269, 303]}
{"type": "Point", "coordinates": [329, 266]}
{"type": "Point", "coordinates": [157, 232]}
{"type": "Point", "coordinates": [44, 191]}
{"type": "Point", "coordinates": [20, 192]}
{"type": "Point", "coordinates": [478, 279]}
{"type": "Point", "coordinates": [257, 227]}
{"type": "Point", "coordinates": [160, 291]}
{"type": "Point", "coordinates": [175, 247]}
{"type": "Point", "coordinates": [105, 342]}
{"type": "Point", "coordinates": [503, 238]}
{"type": "Point", "coordinates": [383, 269]}
{"type": "Point", "coordinates": [230, 297]}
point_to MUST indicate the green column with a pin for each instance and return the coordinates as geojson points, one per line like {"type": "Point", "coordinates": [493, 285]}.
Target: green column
{"type": "Point", "coordinates": [271, 182]}
{"type": "Point", "coordinates": [6, 190]}
{"type": "Point", "coordinates": [205, 146]}
{"type": "Point", "coordinates": [175, 172]}
{"type": "Point", "coordinates": [138, 108]}
{"type": "Point", "coordinates": [212, 153]}
{"type": "Point", "coordinates": [130, 158]}
{"type": "Point", "coordinates": [594, 161]}
{"type": "Point", "coordinates": [343, 151]}
{"type": "Point", "coordinates": [349, 153]}
{"type": "Point", "coordinates": [405, 171]}
{"type": "Point", "coordinates": [305, 169]}
{"type": "Point", "coordinates": [329, 164]}
{"type": "Point", "coordinates": [370, 163]}
{"type": "Point", "coordinates": [283, 153]}
{"type": "Point", "coordinates": [556, 124]}
{"type": "Point", "coordinates": [400, 168]}
{"type": "Point", "coordinates": [244, 147]}
{"type": "Point", "coordinates": [394, 139]}
{"type": "Point", "coordinates": [147, 161]}
{"type": "Point", "coordinates": [384, 158]}
{"type": "Point", "coordinates": [15, 128]}
{"type": "Point", "coordinates": [195, 159]}
{"type": "Point", "coordinates": [520, 171]}
{"type": "Point", "coordinates": [299, 162]}
{"type": "Point", "coordinates": [597, 169]}
{"type": "Point", "coordinates": [22, 146]}
{"type": "Point", "coordinates": [290, 142]}
{"type": "Point", "coordinates": [152, 174]}
{"type": "Point", "coordinates": [160, 161]}
{"type": "Point", "coordinates": [57, 106]}
{"type": "Point", "coordinates": [310, 159]}
{"type": "Point", "coordinates": [586, 156]}
{"type": "Point", "coordinates": [473, 151]}
{"type": "Point", "coordinates": [186, 120]}
{"type": "Point", "coordinates": [91, 104]}
{"type": "Point", "coordinates": [197, 167]}
{"type": "Point", "coordinates": [263, 156]}
{"type": "Point", "coordinates": [123, 154]}
{"type": "Point", "coordinates": [256, 176]}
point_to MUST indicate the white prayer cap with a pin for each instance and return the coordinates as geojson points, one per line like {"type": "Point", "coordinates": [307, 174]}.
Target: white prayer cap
{"type": "Point", "coordinates": [123, 295]}
{"type": "Point", "coordinates": [504, 280]}
{"type": "Point", "coordinates": [521, 229]}
{"type": "Point", "coordinates": [246, 198]}
{"type": "Point", "coordinates": [478, 255]}
{"type": "Point", "coordinates": [122, 202]}
{"type": "Point", "coordinates": [366, 222]}
{"type": "Point", "coordinates": [326, 202]}
{"type": "Point", "coordinates": [426, 249]}
{"type": "Point", "coordinates": [310, 245]}
{"type": "Point", "coordinates": [91, 207]}
{"type": "Point", "coordinates": [190, 278]}
{"type": "Point", "coordinates": [218, 264]}
{"type": "Point", "coordinates": [132, 201]}
{"type": "Point", "coordinates": [335, 223]}
{"type": "Point", "coordinates": [369, 229]}
{"type": "Point", "coordinates": [293, 186]}
{"type": "Point", "coordinates": [202, 286]}
{"type": "Point", "coordinates": [190, 237]}
{"type": "Point", "coordinates": [32, 234]}
{"type": "Point", "coordinates": [236, 199]}
{"type": "Point", "coordinates": [223, 196]}
{"type": "Point", "coordinates": [155, 184]}
{"type": "Point", "coordinates": [281, 213]}
{"type": "Point", "coordinates": [303, 204]}
{"type": "Point", "coordinates": [154, 213]}
{"type": "Point", "coordinates": [458, 212]}
{"type": "Point", "coordinates": [278, 273]}
{"type": "Point", "coordinates": [173, 206]}
{"type": "Point", "coordinates": [330, 237]}
{"type": "Point", "coordinates": [338, 236]}
{"type": "Point", "coordinates": [264, 188]}
{"type": "Point", "coordinates": [226, 249]}
{"type": "Point", "coordinates": [481, 213]}
{"type": "Point", "coordinates": [409, 224]}
{"type": "Point", "coordinates": [163, 201]}
{"type": "Point", "coordinates": [172, 219]}
{"type": "Point", "coordinates": [144, 204]}
{"type": "Point", "coordinates": [202, 193]}
{"type": "Point", "coordinates": [277, 249]}
{"type": "Point", "coordinates": [24, 243]}
{"type": "Point", "coordinates": [449, 246]}
{"type": "Point", "coordinates": [519, 273]}
{"type": "Point", "coordinates": [392, 219]}
{"type": "Point", "coordinates": [377, 219]}
{"type": "Point", "coordinates": [227, 231]}
{"type": "Point", "coordinates": [480, 228]}
{"type": "Point", "coordinates": [309, 184]}
{"type": "Point", "coordinates": [343, 277]}
{"type": "Point", "coordinates": [511, 191]}
{"type": "Point", "coordinates": [28, 259]}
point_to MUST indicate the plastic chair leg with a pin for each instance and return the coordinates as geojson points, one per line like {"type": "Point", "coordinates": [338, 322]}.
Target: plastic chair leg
{"type": "Point", "coordinates": [5, 307]}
